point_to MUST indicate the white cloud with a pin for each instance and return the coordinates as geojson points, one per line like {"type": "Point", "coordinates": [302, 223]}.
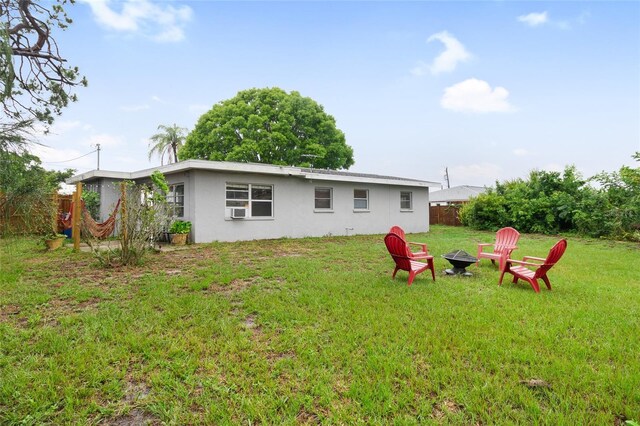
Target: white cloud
{"type": "Point", "coordinates": [162, 23]}
{"type": "Point", "coordinates": [475, 95]}
{"type": "Point", "coordinates": [521, 152]}
{"type": "Point", "coordinates": [134, 108]}
{"type": "Point", "coordinates": [446, 61]}
{"type": "Point", "coordinates": [542, 18]}
{"type": "Point", "coordinates": [534, 19]}
{"type": "Point", "coordinates": [60, 159]}
{"type": "Point", "coordinates": [421, 69]}
{"type": "Point", "coordinates": [583, 18]}
{"type": "Point", "coordinates": [105, 140]}
{"type": "Point", "coordinates": [48, 154]}
{"type": "Point", "coordinates": [60, 127]}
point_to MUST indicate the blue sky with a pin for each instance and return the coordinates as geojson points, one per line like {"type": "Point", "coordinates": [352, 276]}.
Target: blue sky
{"type": "Point", "coordinates": [490, 90]}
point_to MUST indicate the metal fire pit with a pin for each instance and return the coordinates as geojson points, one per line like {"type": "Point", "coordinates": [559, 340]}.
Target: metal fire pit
{"type": "Point", "coordinates": [460, 259]}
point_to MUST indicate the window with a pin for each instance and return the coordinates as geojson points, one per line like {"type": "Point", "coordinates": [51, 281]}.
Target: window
{"type": "Point", "coordinates": [406, 200]}
{"type": "Point", "coordinates": [175, 199]}
{"type": "Point", "coordinates": [361, 199]}
{"type": "Point", "coordinates": [324, 198]}
{"type": "Point", "coordinates": [256, 199]}
{"type": "Point", "coordinates": [261, 200]}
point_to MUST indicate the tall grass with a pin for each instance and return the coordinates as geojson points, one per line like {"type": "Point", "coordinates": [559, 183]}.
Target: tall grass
{"type": "Point", "coordinates": [315, 330]}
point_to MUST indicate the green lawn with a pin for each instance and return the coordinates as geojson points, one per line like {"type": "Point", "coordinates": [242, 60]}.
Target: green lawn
{"type": "Point", "coordinates": [315, 331]}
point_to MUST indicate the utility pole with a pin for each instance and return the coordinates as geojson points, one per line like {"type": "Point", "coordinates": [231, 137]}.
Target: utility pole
{"type": "Point", "coordinates": [98, 150]}
{"type": "Point", "coordinates": [446, 176]}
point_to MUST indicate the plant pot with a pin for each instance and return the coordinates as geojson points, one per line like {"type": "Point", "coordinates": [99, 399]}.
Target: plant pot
{"type": "Point", "coordinates": [54, 243]}
{"type": "Point", "coordinates": [179, 239]}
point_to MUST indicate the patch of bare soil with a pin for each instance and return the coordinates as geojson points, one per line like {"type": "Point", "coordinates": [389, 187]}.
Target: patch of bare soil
{"type": "Point", "coordinates": [135, 417]}
{"type": "Point", "coordinates": [83, 268]}
{"type": "Point", "coordinates": [10, 314]}
{"type": "Point", "coordinates": [277, 356]}
{"type": "Point", "coordinates": [136, 391]}
{"type": "Point", "coordinates": [56, 308]}
{"type": "Point", "coordinates": [620, 420]}
{"type": "Point", "coordinates": [9, 310]}
{"type": "Point", "coordinates": [440, 411]}
{"type": "Point", "coordinates": [306, 418]}
{"type": "Point", "coordinates": [238, 284]}
{"type": "Point", "coordinates": [535, 383]}
{"type": "Point", "coordinates": [250, 324]}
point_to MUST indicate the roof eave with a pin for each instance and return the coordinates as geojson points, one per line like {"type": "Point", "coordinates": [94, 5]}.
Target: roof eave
{"type": "Point", "coordinates": [372, 180]}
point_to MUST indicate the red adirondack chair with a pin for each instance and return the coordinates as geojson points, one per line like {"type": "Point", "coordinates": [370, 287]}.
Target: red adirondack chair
{"type": "Point", "coordinates": [506, 240]}
{"type": "Point", "coordinates": [401, 255]}
{"type": "Point", "coordinates": [422, 254]}
{"type": "Point", "coordinates": [519, 268]}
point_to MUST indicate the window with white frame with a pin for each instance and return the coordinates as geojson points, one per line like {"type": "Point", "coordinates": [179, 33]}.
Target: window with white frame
{"type": "Point", "coordinates": [175, 199]}
{"type": "Point", "coordinates": [406, 200]}
{"type": "Point", "coordinates": [324, 199]}
{"type": "Point", "coordinates": [256, 199]}
{"type": "Point", "coordinates": [361, 199]}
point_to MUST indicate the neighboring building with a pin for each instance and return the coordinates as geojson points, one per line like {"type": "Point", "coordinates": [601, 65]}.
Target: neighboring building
{"type": "Point", "coordinates": [228, 201]}
{"type": "Point", "coordinates": [444, 204]}
{"type": "Point", "coordinates": [456, 195]}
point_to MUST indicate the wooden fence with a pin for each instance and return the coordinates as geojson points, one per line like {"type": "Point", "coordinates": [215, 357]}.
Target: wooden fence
{"type": "Point", "coordinates": [444, 215]}
{"type": "Point", "coordinates": [30, 214]}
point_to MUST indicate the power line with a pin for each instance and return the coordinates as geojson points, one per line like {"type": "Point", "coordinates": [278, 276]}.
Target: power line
{"type": "Point", "coordinates": [66, 161]}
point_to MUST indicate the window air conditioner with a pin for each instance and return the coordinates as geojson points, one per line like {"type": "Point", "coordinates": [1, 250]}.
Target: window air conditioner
{"type": "Point", "coordinates": [238, 213]}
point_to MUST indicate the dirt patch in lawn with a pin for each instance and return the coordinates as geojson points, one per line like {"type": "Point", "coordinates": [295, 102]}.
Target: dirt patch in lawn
{"type": "Point", "coordinates": [135, 417]}
{"type": "Point", "coordinates": [447, 406]}
{"type": "Point", "coordinates": [10, 314]}
{"type": "Point", "coordinates": [83, 268]}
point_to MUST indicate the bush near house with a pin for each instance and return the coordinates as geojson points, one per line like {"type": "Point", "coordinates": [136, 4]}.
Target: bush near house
{"type": "Point", "coordinates": [551, 202]}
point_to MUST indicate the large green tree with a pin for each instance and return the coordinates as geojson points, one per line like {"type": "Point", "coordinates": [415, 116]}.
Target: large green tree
{"type": "Point", "coordinates": [35, 81]}
{"type": "Point", "coordinates": [269, 126]}
{"type": "Point", "coordinates": [167, 142]}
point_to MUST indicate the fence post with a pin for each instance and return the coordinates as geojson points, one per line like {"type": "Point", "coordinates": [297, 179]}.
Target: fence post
{"type": "Point", "coordinates": [75, 217]}
{"type": "Point", "coordinates": [54, 212]}
{"type": "Point", "coordinates": [124, 243]}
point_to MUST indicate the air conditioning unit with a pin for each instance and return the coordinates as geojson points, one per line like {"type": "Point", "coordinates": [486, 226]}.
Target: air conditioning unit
{"type": "Point", "coordinates": [238, 213]}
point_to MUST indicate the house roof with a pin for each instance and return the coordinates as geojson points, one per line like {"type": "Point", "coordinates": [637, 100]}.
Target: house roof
{"type": "Point", "coordinates": [457, 193]}
{"type": "Point", "coordinates": [268, 169]}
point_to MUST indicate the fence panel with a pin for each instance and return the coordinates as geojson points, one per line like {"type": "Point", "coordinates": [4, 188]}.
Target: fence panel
{"type": "Point", "coordinates": [29, 214]}
{"type": "Point", "coordinates": [444, 215]}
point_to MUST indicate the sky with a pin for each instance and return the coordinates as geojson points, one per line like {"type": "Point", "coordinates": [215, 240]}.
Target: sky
{"type": "Point", "coordinates": [488, 90]}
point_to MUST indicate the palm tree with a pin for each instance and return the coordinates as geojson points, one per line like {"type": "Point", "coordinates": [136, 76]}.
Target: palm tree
{"type": "Point", "coordinates": [167, 142]}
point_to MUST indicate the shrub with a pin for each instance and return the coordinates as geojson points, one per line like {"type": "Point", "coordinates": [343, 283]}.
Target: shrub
{"type": "Point", "coordinates": [550, 202]}
{"type": "Point", "coordinates": [180, 227]}
{"type": "Point", "coordinates": [143, 216]}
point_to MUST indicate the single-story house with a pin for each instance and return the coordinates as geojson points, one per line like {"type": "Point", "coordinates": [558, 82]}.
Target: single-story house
{"type": "Point", "coordinates": [227, 201]}
{"type": "Point", "coordinates": [456, 195]}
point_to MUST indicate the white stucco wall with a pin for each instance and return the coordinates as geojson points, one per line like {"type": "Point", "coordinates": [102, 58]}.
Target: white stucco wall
{"type": "Point", "coordinates": [293, 208]}
{"type": "Point", "coordinates": [109, 195]}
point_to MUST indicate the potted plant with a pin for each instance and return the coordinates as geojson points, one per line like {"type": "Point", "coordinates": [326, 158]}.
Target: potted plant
{"type": "Point", "coordinates": [53, 240]}
{"type": "Point", "coordinates": [179, 231]}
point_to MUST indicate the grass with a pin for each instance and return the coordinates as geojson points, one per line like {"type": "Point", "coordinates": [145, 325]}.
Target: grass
{"type": "Point", "coordinates": [315, 331]}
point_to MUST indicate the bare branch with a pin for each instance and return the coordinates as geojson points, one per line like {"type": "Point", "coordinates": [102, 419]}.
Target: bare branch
{"type": "Point", "coordinates": [35, 83]}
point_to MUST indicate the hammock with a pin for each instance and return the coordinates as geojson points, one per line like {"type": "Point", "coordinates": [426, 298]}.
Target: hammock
{"type": "Point", "coordinates": [98, 230]}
